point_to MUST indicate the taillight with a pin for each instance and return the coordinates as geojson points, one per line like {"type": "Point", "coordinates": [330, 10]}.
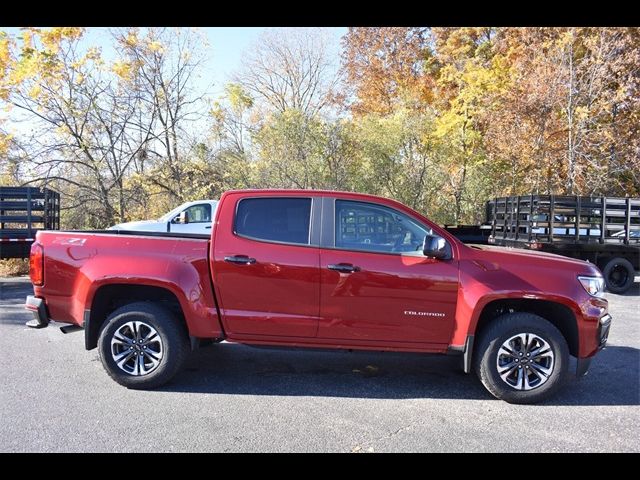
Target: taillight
{"type": "Point", "coordinates": [36, 264]}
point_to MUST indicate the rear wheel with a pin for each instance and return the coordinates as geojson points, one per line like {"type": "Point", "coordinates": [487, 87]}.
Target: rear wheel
{"type": "Point", "coordinates": [618, 275]}
{"type": "Point", "coordinates": [142, 346]}
{"type": "Point", "coordinates": [522, 358]}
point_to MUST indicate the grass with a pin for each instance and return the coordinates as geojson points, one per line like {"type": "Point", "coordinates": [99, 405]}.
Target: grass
{"type": "Point", "coordinates": [13, 267]}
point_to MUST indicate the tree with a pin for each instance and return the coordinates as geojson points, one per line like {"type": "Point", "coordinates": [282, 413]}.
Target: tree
{"type": "Point", "coordinates": [85, 133]}
{"type": "Point", "coordinates": [522, 132]}
{"type": "Point", "coordinates": [566, 123]}
{"type": "Point", "coordinates": [469, 77]}
{"type": "Point", "coordinates": [600, 66]}
{"type": "Point", "coordinates": [400, 158]}
{"type": "Point", "coordinates": [160, 65]}
{"type": "Point", "coordinates": [290, 69]}
{"type": "Point", "coordinates": [296, 151]}
{"type": "Point", "coordinates": [385, 66]}
{"type": "Point", "coordinates": [231, 125]}
{"type": "Point", "coordinates": [108, 135]}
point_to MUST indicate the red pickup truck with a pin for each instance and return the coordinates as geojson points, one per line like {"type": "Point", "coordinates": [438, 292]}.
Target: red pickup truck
{"type": "Point", "coordinates": [321, 269]}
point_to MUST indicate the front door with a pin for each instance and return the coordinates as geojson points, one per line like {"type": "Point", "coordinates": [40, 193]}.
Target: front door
{"type": "Point", "coordinates": [376, 285]}
{"type": "Point", "coordinates": [266, 267]}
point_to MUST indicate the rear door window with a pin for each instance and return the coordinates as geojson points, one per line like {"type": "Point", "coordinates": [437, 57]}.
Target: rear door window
{"type": "Point", "coordinates": [283, 220]}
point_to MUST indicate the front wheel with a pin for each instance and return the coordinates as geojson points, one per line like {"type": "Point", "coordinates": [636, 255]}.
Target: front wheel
{"type": "Point", "coordinates": [522, 358]}
{"type": "Point", "coordinates": [142, 346]}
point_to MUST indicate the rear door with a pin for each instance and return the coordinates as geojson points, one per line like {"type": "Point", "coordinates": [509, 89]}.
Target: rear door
{"type": "Point", "coordinates": [266, 265]}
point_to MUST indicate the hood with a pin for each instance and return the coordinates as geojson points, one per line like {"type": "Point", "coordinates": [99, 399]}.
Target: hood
{"type": "Point", "coordinates": [522, 256]}
{"type": "Point", "coordinates": [142, 225]}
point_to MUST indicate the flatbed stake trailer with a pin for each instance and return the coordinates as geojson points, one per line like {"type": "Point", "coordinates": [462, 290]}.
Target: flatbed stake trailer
{"type": "Point", "coordinates": [602, 230]}
{"type": "Point", "coordinates": [24, 211]}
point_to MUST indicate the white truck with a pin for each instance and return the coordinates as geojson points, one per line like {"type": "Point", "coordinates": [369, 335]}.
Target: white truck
{"type": "Point", "coordinates": [190, 217]}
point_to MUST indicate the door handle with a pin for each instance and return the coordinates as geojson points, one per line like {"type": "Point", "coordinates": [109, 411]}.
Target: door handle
{"type": "Point", "coordinates": [343, 267]}
{"type": "Point", "coordinates": [240, 260]}
{"type": "Point", "coordinates": [208, 226]}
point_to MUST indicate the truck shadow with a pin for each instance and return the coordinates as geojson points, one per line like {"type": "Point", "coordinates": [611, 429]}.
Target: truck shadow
{"type": "Point", "coordinates": [231, 369]}
{"type": "Point", "coordinates": [634, 291]}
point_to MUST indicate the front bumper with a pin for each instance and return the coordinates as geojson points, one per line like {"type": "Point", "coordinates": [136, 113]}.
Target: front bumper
{"type": "Point", "coordinates": [39, 309]}
{"type": "Point", "coordinates": [604, 324]}
{"type": "Point", "coordinates": [603, 330]}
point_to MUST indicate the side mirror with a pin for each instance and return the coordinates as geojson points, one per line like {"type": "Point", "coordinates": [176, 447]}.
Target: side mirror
{"type": "Point", "coordinates": [436, 247]}
{"type": "Point", "coordinates": [183, 218]}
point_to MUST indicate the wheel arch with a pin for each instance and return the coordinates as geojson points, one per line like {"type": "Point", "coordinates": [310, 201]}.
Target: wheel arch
{"type": "Point", "coordinates": [108, 298]}
{"type": "Point", "coordinates": [558, 314]}
{"type": "Point", "coordinates": [509, 374]}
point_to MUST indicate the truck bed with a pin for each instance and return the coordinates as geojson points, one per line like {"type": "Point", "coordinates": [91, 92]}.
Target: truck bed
{"type": "Point", "coordinates": [79, 263]}
{"type": "Point", "coordinates": [140, 233]}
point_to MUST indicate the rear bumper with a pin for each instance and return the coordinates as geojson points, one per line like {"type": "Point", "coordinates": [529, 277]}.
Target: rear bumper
{"type": "Point", "coordinates": [39, 309]}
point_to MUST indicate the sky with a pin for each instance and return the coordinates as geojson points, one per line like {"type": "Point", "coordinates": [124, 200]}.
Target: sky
{"type": "Point", "coordinates": [229, 43]}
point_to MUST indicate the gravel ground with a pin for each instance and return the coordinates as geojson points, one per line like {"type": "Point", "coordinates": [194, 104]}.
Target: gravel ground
{"type": "Point", "coordinates": [55, 396]}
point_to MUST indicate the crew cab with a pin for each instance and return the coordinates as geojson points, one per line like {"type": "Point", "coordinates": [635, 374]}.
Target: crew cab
{"type": "Point", "coordinates": [321, 269]}
{"type": "Point", "coordinates": [190, 217]}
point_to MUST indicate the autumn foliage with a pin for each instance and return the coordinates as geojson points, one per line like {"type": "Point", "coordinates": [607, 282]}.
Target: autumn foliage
{"type": "Point", "coordinates": [440, 118]}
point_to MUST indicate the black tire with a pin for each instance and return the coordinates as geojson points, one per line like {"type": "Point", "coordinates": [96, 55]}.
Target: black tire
{"type": "Point", "coordinates": [173, 343]}
{"type": "Point", "coordinates": [500, 331]}
{"type": "Point", "coordinates": [618, 275]}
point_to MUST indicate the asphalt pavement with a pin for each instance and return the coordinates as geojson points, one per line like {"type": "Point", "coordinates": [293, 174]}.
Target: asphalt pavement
{"type": "Point", "coordinates": [55, 397]}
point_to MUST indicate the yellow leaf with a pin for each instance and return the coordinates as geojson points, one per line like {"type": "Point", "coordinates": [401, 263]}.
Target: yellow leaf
{"type": "Point", "coordinates": [155, 47]}
{"type": "Point", "coordinates": [122, 69]}
{"type": "Point", "coordinates": [132, 39]}
{"type": "Point", "coordinates": [93, 53]}
{"type": "Point", "coordinates": [35, 91]}
{"type": "Point", "coordinates": [5, 55]}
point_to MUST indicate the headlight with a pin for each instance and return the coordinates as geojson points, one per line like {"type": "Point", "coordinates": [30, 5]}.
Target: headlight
{"type": "Point", "coordinates": [593, 285]}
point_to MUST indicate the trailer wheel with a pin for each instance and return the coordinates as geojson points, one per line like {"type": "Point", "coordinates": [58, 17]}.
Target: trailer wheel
{"type": "Point", "coordinates": [618, 275]}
